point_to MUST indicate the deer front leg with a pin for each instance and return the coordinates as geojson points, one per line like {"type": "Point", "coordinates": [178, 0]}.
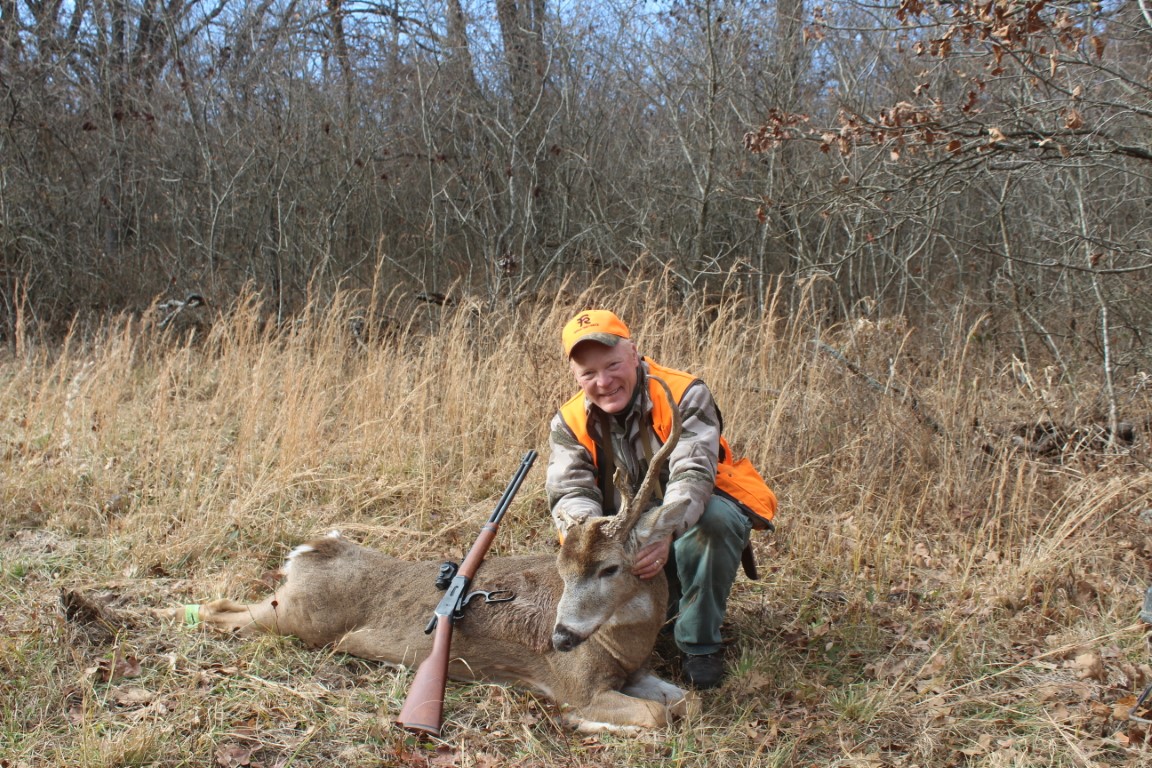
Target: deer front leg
{"type": "Point", "coordinates": [645, 685]}
{"type": "Point", "coordinates": [616, 712]}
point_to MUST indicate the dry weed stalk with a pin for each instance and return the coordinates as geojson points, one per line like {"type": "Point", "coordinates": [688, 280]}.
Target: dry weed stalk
{"type": "Point", "coordinates": [905, 565]}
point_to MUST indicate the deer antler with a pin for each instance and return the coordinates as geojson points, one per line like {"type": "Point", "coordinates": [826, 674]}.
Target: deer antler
{"type": "Point", "coordinates": [566, 521]}
{"type": "Point", "coordinates": [635, 506]}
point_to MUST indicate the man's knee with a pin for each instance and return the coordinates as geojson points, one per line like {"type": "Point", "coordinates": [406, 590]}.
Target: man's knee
{"type": "Point", "coordinates": [722, 519]}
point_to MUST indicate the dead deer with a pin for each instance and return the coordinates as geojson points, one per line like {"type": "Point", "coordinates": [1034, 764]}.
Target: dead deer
{"type": "Point", "coordinates": [579, 628]}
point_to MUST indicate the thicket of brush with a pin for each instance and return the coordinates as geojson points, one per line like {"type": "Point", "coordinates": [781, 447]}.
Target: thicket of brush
{"type": "Point", "coordinates": [941, 590]}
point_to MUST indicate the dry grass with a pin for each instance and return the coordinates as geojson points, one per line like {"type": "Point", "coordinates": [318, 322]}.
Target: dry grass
{"type": "Point", "coordinates": [927, 601]}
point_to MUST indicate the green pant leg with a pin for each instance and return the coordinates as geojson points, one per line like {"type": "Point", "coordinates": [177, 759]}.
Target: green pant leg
{"type": "Point", "coordinates": [707, 559]}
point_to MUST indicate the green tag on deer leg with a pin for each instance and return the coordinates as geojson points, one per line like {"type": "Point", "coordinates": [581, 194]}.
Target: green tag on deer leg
{"type": "Point", "coordinates": [191, 615]}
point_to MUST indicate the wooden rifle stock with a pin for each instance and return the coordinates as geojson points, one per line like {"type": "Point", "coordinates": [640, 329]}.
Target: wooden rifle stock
{"type": "Point", "coordinates": [423, 708]}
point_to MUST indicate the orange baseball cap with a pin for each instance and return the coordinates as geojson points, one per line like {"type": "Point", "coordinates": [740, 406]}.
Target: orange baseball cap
{"type": "Point", "coordinates": [594, 325]}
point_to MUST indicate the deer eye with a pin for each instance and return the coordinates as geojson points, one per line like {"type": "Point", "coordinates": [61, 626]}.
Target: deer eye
{"type": "Point", "coordinates": [609, 572]}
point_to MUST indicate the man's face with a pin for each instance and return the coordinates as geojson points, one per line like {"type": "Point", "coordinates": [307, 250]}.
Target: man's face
{"type": "Point", "coordinates": [606, 374]}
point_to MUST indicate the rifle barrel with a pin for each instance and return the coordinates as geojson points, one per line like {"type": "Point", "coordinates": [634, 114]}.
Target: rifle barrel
{"type": "Point", "coordinates": [513, 487]}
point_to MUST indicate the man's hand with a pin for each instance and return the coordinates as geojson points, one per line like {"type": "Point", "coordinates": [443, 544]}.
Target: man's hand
{"type": "Point", "coordinates": [651, 558]}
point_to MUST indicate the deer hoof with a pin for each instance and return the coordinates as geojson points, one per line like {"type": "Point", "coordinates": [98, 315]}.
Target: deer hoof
{"type": "Point", "coordinates": [688, 706]}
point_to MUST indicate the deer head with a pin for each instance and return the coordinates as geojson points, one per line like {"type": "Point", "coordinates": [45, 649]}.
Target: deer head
{"type": "Point", "coordinates": [595, 560]}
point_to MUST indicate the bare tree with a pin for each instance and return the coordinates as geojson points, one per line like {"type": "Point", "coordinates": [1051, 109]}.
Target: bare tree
{"type": "Point", "coordinates": [933, 160]}
{"type": "Point", "coordinates": [956, 155]}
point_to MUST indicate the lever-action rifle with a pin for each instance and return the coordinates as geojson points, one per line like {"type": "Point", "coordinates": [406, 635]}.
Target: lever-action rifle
{"type": "Point", "coordinates": [423, 709]}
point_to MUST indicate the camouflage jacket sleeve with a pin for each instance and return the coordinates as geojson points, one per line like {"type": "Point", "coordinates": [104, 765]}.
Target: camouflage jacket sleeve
{"type": "Point", "coordinates": [571, 481]}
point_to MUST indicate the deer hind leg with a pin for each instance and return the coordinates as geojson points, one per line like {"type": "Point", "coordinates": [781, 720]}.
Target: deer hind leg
{"type": "Point", "coordinates": [227, 615]}
{"type": "Point", "coordinates": [616, 712]}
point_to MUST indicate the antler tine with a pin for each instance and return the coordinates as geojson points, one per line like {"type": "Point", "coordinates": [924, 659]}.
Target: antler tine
{"type": "Point", "coordinates": [622, 479]}
{"type": "Point", "coordinates": [634, 507]}
{"type": "Point", "coordinates": [566, 521]}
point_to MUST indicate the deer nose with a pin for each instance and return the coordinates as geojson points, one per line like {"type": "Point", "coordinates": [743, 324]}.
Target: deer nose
{"type": "Point", "coordinates": [564, 639]}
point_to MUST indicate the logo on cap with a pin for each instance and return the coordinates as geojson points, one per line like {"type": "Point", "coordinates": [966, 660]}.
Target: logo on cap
{"type": "Point", "coordinates": [594, 325]}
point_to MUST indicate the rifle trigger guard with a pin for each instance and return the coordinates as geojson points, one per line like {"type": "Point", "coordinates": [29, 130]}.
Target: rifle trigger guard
{"type": "Point", "coordinates": [495, 596]}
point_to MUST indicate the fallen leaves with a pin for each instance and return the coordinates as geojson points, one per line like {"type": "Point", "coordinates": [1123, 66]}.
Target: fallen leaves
{"type": "Point", "coordinates": [1123, 707]}
{"type": "Point", "coordinates": [764, 733]}
{"type": "Point", "coordinates": [449, 757]}
{"type": "Point", "coordinates": [132, 697]}
{"type": "Point", "coordinates": [232, 755]}
{"type": "Point", "coordinates": [1089, 666]}
{"type": "Point", "coordinates": [987, 744]}
{"type": "Point", "coordinates": [118, 667]}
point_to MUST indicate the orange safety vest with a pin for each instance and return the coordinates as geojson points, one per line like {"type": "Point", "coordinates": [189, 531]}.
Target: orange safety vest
{"type": "Point", "coordinates": [736, 479]}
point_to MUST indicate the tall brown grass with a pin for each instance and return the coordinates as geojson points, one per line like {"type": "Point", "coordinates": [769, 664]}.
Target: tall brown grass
{"type": "Point", "coordinates": [936, 594]}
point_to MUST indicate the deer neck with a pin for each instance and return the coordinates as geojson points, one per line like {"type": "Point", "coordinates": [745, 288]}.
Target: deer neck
{"type": "Point", "coordinates": [628, 636]}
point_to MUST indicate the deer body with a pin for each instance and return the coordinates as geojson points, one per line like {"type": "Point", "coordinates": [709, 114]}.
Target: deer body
{"type": "Point", "coordinates": [357, 600]}
{"type": "Point", "coordinates": [580, 628]}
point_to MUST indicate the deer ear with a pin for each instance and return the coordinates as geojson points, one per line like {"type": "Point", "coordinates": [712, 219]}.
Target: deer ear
{"type": "Point", "coordinates": [659, 520]}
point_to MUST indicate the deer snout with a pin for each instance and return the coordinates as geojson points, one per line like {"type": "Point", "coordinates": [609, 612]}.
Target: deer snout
{"type": "Point", "coordinates": [565, 639]}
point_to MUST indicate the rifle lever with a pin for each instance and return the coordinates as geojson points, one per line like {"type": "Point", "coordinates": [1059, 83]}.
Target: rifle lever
{"type": "Point", "coordinates": [495, 596]}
